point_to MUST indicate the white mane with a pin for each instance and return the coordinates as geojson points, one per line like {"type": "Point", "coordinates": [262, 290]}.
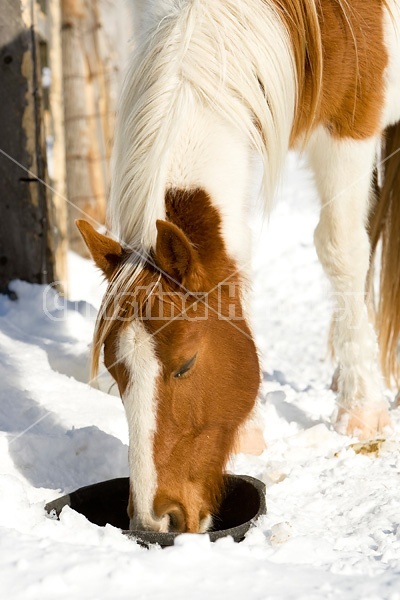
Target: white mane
{"type": "Point", "coordinates": [233, 56]}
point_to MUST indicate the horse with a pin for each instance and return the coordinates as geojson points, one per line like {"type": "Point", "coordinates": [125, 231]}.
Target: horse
{"type": "Point", "coordinates": [212, 87]}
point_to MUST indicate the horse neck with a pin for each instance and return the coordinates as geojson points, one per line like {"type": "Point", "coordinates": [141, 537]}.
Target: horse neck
{"type": "Point", "coordinates": [213, 156]}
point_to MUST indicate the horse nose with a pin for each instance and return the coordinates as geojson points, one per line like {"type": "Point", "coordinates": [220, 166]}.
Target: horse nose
{"type": "Point", "coordinates": [182, 518]}
{"type": "Point", "coordinates": [166, 517]}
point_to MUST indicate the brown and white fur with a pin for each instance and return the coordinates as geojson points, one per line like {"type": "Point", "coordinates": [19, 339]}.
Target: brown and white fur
{"type": "Point", "coordinates": [213, 83]}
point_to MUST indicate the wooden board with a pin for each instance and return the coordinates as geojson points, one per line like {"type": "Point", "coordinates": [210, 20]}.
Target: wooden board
{"type": "Point", "coordinates": [27, 218]}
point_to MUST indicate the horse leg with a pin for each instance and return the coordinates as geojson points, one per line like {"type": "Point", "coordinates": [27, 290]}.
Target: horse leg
{"type": "Point", "coordinates": [343, 171]}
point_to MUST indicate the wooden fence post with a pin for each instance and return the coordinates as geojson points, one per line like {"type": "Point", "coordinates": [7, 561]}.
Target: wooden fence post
{"type": "Point", "coordinates": [56, 133]}
{"type": "Point", "coordinates": [94, 36]}
{"type": "Point", "coordinates": [86, 181]}
{"type": "Point", "coordinates": [28, 229]}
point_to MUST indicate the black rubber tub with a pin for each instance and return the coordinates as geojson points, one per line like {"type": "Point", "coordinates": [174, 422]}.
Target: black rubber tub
{"type": "Point", "coordinates": [106, 502]}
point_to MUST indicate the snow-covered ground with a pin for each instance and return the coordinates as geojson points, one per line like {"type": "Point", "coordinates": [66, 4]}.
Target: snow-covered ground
{"type": "Point", "coordinates": [333, 523]}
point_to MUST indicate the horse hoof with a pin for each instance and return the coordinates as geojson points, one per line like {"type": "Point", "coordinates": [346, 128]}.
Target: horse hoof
{"type": "Point", "coordinates": [363, 423]}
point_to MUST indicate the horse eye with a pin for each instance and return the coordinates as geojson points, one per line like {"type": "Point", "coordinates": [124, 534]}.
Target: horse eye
{"type": "Point", "coordinates": [185, 367]}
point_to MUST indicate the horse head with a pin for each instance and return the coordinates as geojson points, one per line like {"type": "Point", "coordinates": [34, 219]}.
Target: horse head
{"type": "Point", "coordinates": [177, 342]}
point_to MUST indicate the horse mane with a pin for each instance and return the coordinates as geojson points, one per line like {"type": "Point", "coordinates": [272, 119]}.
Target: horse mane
{"type": "Point", "coordinates": [113, 306]}
{"type": "Point", "coordinates": [210, 53]}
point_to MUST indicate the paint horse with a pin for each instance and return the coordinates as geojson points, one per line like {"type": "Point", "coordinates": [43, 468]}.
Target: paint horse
{"type": "Point", "coordinates": [214, 83]}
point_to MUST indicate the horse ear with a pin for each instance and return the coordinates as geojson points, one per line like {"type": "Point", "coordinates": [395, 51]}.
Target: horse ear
{"type": "Point", "coordinates": [106, 253]}
{"type": "Point", "coordinates": [176, 256]}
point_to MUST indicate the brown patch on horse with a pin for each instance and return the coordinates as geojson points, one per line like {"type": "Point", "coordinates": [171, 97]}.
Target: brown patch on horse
{"type": "Point", "coordinates": [340, 64]}
{"type": "Point", "coordinates": [193, 212]}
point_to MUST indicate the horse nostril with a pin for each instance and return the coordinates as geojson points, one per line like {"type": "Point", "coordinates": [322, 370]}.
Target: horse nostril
{"type": "Point", "coordinates": [176, 517]}
{"type": "Point", "coordinates": [176, 523]}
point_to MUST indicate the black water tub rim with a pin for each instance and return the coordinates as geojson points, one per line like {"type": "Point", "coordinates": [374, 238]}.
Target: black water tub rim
{"type": "Point", "coordinates": [255, 488]}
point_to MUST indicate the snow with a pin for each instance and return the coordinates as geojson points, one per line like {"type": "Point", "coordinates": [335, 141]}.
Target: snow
{"type": "Point", "coordinates": [333, 524]}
